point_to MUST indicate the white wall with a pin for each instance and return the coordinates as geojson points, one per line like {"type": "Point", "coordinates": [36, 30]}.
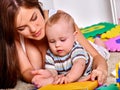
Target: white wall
{"type": "Point", "coordinates": [115, 10]}
{"type": "Point", "coordinates": [85, 12]}
{"type": "Point", "coordinates": [47, 4]}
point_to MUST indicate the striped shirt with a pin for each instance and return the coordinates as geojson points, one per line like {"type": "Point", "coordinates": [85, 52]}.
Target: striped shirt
{"type": "Point", "coordinates": [64, 64]}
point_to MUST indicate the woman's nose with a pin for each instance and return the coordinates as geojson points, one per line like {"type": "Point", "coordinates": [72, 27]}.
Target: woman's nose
{"type": "Point", "coordinates": [32, 28]}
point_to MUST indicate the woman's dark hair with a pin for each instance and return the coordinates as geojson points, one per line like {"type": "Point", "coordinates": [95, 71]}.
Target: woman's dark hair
{"type": "Point", "coordinates": [9, 66]}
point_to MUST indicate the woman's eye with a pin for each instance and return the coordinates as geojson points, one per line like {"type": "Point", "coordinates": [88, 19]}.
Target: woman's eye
{"type": "Point", "coordinates": [34, 18]}
{"type": "Point", "coordinates": [21, 29]}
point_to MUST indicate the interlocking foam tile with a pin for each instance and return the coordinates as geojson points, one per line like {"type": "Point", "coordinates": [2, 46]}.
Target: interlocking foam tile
{"type": "Point", "coordinates": [112, 33]}
{"type": "Point", "coordinates": [87, 85]}
{"type": "Point", "coordinates": [110, 87]}
{"type": "Point", "coordinates": [100, 28]}
{"type": "Point", "coordinates": [113, 44]}
{"type": "Point", "coordinates": [91, 39]}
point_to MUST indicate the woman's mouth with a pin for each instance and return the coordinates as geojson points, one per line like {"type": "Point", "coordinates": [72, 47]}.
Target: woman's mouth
{"type": "Point", "coordinates": [37, 34]}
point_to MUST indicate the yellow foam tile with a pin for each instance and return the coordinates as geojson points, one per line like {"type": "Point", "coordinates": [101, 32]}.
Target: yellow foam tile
{"type": "Point", "coordinates": [86, 85]}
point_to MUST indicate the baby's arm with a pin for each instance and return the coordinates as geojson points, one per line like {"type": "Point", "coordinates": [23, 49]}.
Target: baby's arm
{"type": "Point", "coordinates": [76, 71]}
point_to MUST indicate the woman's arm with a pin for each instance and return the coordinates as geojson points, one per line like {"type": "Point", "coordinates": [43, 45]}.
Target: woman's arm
{"type": "Point", "coordinates": [25, 66]}
{"type": "Point", "coordinates": [100, 68]}
{"type": "Point", "coordinates": [29, 60]}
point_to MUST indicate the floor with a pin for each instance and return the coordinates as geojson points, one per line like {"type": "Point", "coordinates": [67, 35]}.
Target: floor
{"type": "Point", "coordinates": [114, 58]}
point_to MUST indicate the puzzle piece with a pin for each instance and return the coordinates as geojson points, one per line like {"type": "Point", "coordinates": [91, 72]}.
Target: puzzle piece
{"type": "Point", "coordinates": [110, 87]}
{"type": "Point", "coordinates": [113, 44]}
{"type": "Point", "coordinates": [87, 85]}
{"type": "Point", "coordinates": [100, 28]}
{"type": "Point", "coordinates": [112, 33]}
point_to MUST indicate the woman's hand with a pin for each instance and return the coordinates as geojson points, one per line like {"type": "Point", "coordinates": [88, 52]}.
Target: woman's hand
{"type": "Point", "coordinates": [100, 75]}
{"type": "Point", "coordinates": [39, 81]}
{"type": "Point", "coordinates": [42, 72]}
{"type": "Point", "coordinates": [97, 74]}
{"type": "Point", "coordinates": [42, 77]}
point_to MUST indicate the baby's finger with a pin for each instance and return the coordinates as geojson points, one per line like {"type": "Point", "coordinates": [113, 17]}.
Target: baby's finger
{"type": "Point", "coordinates": [57, 81]}
{"type": "Point", "coordinates": [62, 80]}
{"type": "Point", "coordinates": [86, 78]}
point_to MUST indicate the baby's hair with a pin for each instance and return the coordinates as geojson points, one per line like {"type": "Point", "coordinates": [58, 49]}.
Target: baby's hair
{"type": "Point", "coordinates": [65, 17]}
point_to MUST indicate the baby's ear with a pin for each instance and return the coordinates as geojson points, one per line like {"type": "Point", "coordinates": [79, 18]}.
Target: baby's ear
{"type": "Point", "coordinates": [75, 35]}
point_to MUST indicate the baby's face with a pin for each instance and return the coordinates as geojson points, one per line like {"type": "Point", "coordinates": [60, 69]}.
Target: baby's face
{"type": "Point", "coordinates": [60, 38]}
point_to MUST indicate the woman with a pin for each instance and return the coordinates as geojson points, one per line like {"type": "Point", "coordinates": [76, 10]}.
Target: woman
{"type": "Point", "coordinates": [23, 24]}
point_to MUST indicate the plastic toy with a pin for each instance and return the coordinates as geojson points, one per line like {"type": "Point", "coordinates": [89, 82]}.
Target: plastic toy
{"type": "Point", "coordinates": [87, 85]}
{"type": "Point", "coordinates": [118, 74]}
{"type": "Point", "coordinates": [100, 28]}
{"type": "Point", "coordinates": [113, 44]}
{"type": "Point", "coordinates": [110, 87]}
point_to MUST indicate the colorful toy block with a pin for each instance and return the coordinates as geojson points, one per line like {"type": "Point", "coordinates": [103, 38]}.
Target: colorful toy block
{"type": "Point", "coordinates": [115, 31]}
{"type": "Point", "coordinates": [115, 46]}
{"type": "Point", "coordinates": [118, 74]}
{"type": "Point", "coordinates": [100, 28]}
{"type": "Point", "coordinates": [110, 87]}
{"type": "Point", "coordinates": [86, 85]}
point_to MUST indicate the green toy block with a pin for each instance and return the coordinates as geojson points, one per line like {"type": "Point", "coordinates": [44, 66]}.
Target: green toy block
{"type": "Point", "coordinates": [100, 28]}
{"type": "Point", "coordinates": [110, 87]}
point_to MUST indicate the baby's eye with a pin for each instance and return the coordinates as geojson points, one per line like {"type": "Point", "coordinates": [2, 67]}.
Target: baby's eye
{"type": "Point", "coordinates": [51, 41]}
{"type": "Point", "coordinates": [62, 39]}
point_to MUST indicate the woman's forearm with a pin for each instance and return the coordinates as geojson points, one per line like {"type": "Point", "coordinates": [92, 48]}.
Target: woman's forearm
{"type": "Point", "coordinates": [99, 63]}
{"type": "Point", "coordinates": [100, 67]}
{"type": "Point", "coordinates": [27, 75]}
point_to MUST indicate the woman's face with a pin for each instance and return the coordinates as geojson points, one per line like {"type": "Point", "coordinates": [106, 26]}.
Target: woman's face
{"type": "Point", "coordinates": [30, 23]}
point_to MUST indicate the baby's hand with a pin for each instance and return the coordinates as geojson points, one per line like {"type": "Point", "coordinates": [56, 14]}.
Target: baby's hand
{"type": "Point", "coordinates": [66, 80]}
{"type": "Point", "coordinates": [59, 79]}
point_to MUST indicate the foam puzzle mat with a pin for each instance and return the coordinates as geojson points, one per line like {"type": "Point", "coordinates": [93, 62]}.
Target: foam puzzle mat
{"type": "Point", "coordinates": [108, 32]}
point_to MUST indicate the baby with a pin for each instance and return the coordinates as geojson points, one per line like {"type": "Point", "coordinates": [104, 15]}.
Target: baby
{"type": "Point", "coordinates": [66, 58]}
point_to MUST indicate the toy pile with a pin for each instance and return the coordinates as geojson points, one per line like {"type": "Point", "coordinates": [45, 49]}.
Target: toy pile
{"type": "Point", "coordinates": [108, 32]}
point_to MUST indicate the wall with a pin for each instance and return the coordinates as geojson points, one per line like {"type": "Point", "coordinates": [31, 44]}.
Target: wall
{"type": "Point", "coordinates": [117, 5]}
{"type": "Point", "coordinates": [47, 4]}
{"type": "Point", "coordinates": [85, 12]}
